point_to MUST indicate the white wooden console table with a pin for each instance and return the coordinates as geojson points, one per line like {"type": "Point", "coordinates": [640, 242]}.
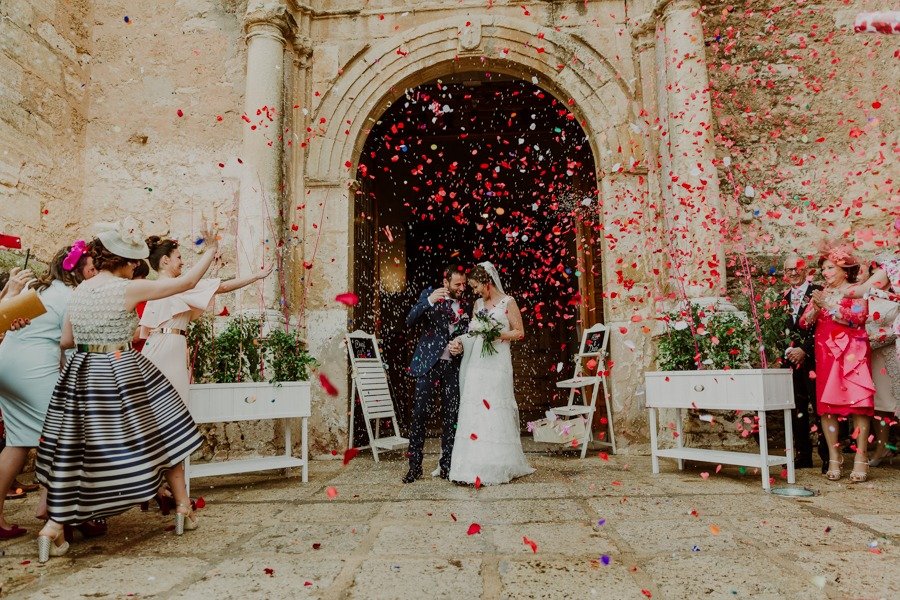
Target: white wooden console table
{"type": "Point", "coordinates": [758, 390]}
{"type": "Point", "coordinates": [251, 401]}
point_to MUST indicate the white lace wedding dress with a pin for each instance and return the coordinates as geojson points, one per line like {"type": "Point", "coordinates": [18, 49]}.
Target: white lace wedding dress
{"type": "Point", "coordinates": [488, 444]}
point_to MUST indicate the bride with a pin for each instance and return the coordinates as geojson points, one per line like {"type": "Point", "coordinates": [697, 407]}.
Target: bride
{"type": "Point", "coordinates": [488, 445]}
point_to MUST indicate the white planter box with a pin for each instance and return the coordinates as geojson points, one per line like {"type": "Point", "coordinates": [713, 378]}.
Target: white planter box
{"type": "Point", "coordinates": [758, 390]}
{"type": "Point", "coordinates": [251, 401]}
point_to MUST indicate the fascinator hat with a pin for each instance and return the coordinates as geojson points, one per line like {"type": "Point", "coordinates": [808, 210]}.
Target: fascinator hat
{"type": "Point", "coordinates": [839, 254]}
{"type": "Point", "coordinates": [123, 238]}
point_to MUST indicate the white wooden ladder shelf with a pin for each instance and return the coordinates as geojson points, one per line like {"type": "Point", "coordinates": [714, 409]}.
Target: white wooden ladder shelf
{"type": "Point", "coordinates": [370, 384]}
{"type": "Point", "coordinates": [594, 342]}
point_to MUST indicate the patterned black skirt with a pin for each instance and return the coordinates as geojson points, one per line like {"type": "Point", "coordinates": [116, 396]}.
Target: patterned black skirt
{"type": "Point", "coordinates": [114, 426]}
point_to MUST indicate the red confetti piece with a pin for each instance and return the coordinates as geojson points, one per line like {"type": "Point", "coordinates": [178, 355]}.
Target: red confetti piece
{"type": "Point", "coordinates": [473, 529]}
{"type": "Point", "coordinates": [487, 404]}
{"type": "Point", "coordinates": [348, 298]}
{"type": "Point", "coordinates": [473, 436]}
{"type": "Point", "coordinates": [327, 385]}
{"type": "Point", "coordinates": [317, 546]}
{"type": "Point", "coordinates": [477, 482]}
{"type": "Point", "coordinates": [180, 112]}
{"type": "Point", "coordinates": [647, 593]}
{"type": "Point", "coordinates": [224, 312]}
{"type": "Point", "coordinates": [453, 516]}
{"type": "Point", "coordinates": [604, 456]}
{"type": "Point", "coordinates": [350, 454]}
{"type": "Point", "coordinates": [331, 492]}
{"type": "Point", "coordinates": [199, 503]}
{"type": "Point", "coordinates": [269, 571]}
{"type": "Point", "coordinates": [530, 543]}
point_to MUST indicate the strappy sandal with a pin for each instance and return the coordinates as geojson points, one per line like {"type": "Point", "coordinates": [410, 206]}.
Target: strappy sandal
{"type": "Point", "coordinates": [834, 474]}
{"type": "Point", "coordinates": [859, 476]}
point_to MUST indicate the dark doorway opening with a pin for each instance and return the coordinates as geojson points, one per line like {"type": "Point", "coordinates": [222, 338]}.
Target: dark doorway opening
{"type": "Point", "coordinates": [471, 168]}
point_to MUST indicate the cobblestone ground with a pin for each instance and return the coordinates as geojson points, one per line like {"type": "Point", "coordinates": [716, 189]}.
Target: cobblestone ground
{"type": "Point", "coordinates": [600, 529]}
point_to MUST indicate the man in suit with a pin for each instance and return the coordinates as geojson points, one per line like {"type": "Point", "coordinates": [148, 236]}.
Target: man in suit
{"type": "Point", "coordinates": [801, 358]}
{"type": "Point", "coordinates": [435, 365]}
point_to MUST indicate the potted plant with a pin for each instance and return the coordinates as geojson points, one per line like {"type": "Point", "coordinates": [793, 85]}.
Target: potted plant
{"type": "Point", "coordinates": [715, 359]}
{"type": "Point", "coordinates": [241, 375]}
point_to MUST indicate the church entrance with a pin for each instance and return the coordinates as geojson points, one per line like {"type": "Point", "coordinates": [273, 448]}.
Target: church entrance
{"type": "Point", "coordinates": [475, 167]}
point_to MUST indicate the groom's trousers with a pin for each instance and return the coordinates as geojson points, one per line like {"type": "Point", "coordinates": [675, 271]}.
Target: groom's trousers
{"type": "Point", "coordinates": [442, 378]}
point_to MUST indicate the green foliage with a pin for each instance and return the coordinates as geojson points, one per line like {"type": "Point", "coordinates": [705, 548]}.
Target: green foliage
{"type": "Point", "coordinates": [287, 356]}
{"type": "Point", "coordinates": [704, 338]}
{"type": "Point", "coordinates": [240, 354]}
{"type": "Point", "coordinates": [774, 315]}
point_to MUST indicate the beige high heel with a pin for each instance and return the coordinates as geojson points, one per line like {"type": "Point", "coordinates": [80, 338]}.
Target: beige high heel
{"type": "Point", "coordinates": [859, 476]}
{"type": "Point", "coordinates": [47, 545]}
{"type": "Point", "coordinates": [185, 521]}
{"type": "Point", "coordinates": [834, 474]}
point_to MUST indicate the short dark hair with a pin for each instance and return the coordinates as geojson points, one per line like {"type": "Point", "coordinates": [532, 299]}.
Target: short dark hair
{"type": "Point", "coordinates": [141, 271]}
{"type": "Point", "coordinates": [160, 247]}
{"type": "Point", "coordinates": [454, 269]}
{"type": "Point", "coordinates": [104, 260]}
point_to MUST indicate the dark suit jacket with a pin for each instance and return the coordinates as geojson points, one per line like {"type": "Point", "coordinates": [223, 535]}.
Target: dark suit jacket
{"type": "Point", "coordinates": [437, 335]}
{"type": "Point", "coordinates": [804, 337]}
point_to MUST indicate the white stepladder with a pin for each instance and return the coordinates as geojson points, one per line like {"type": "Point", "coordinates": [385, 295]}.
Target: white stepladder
{"type": "Point", "coordinates": [370, 383]}
{"type": "Point", "coordinates": [594, 342]}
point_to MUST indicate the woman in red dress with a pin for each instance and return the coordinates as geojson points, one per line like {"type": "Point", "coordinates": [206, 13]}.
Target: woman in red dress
{"type": "Point", "coordinates": [844, 386]}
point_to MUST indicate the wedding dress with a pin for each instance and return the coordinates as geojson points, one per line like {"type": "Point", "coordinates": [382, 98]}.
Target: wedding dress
{"type": "Point", "coordinates": [488, 444]}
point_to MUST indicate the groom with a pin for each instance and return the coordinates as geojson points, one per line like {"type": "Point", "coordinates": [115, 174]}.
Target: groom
{"type": "Point", "coordinates": [435, 365]}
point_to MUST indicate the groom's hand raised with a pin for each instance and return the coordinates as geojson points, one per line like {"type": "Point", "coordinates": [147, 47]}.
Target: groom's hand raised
{"type": "Point", "coordinates": [438, 295]}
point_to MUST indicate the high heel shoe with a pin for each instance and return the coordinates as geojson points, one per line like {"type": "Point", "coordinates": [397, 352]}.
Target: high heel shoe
{"type": "Point", "coordinates": [89, 529]}
{"type": "Point", "coordinates": [859, 476]}
{"type": "Point", "coordinates": [834, 474]}
{"type": "Point", "coordinates": [47, 545]}
{"type": "Point", "coordinates": [185, 521]}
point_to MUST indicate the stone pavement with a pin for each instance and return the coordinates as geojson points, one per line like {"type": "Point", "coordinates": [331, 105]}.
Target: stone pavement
{"type": "Point", "coordinates": [676, 535]}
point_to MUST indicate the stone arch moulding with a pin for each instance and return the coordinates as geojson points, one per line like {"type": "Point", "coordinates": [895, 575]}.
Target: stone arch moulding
{"type": "Point", "coordinates": [566, 67]}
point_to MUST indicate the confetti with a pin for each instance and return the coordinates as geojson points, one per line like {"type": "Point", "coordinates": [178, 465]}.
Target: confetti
{"type": "Point", "coordinates": [473, 529]}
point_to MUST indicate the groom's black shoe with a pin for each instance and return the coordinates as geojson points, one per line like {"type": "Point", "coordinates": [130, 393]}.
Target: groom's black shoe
{"type": "Point", "coordinates": [412, 475]}
{"type": "Point", "coordinates": [445, 473]}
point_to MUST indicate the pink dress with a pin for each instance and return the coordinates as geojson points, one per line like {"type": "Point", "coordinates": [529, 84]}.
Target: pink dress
{"type": "Point", "coordinates": [844, 383]}
{"type": "Point", "coordinates": [169, 351]}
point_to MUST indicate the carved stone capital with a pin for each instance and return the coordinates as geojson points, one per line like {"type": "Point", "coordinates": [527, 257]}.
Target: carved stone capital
{"type": "Point", "coordinates": [269, 18]}
{"type": "Point", "coordinates": [665, 8]}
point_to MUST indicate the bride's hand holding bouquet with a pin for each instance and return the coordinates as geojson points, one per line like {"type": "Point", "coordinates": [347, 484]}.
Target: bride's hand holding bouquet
{"type": "Point", "coordinates": [488, 328]}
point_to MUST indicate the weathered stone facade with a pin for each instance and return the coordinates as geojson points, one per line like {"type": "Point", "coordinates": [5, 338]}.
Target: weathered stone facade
{"type": "Point", "coordinates": [255, 113]}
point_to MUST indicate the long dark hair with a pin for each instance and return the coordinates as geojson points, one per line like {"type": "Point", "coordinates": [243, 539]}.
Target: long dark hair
{"type": "Point", "coordinates": [57, 272]}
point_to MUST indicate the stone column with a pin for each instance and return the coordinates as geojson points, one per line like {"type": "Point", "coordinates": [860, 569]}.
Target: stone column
{"type": "Point", "coordinates": [694, 215]}
{"type": "Point", "coordinates": [267, 23]}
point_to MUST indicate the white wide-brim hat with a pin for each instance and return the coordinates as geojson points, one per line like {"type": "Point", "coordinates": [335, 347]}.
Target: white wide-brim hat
{"type": "Point", "coordinates": [123, 239]}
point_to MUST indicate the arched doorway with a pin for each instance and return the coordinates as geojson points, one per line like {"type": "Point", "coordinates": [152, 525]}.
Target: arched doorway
{"type": "Point", "coordinates": [479, 166]}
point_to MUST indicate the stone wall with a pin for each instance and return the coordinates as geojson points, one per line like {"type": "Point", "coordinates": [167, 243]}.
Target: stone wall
{"type": "Point", "coordinates": [45, 58]}
{"type": "Point", "coordinates": [807, 114]}
{"type": "Point", "coordinates": [163, 135]}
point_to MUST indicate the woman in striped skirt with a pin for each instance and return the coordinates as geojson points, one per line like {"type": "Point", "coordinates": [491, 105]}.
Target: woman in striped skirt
{"type": "Point", "coordinates": [115, 426]}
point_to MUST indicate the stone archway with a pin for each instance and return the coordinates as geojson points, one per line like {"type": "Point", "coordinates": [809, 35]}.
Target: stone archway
{"type": "Point", "coordinates": [564, 65]}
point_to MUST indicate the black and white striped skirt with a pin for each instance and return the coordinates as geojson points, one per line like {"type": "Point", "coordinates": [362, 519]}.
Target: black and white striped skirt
{"type": "Point", "coordinates": [114, 426]}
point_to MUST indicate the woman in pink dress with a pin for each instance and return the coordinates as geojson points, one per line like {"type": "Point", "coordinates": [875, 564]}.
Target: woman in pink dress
{"type": "Point", "coordinates": [844, 386]}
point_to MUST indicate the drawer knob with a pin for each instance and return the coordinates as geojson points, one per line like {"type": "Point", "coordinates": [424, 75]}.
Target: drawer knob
{"type": "Point", "coordinates": [699, 388]}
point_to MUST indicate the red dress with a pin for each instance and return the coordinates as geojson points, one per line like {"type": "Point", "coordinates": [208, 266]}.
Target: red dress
{"type": "Point", "coordinates": [844, 383]}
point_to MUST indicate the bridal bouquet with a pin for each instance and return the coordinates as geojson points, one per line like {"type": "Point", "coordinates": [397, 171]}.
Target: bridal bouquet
{"type": "Point", "coordinates": [487, 327]}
